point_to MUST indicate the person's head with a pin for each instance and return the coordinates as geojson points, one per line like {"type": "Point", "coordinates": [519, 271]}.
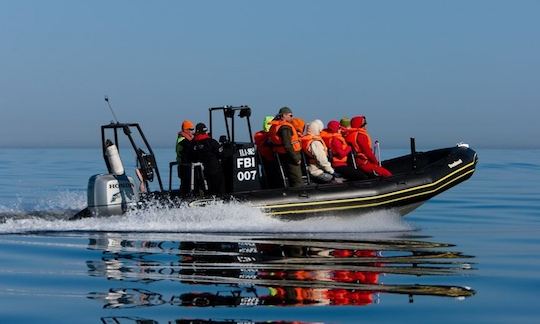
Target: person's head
{"type": "Point", "coordinates": [345, 122]}
{"type": "Point", "coordinates": [314, 127]}
{"type": "Point", "coordinates": [286, 114]}
{"type": "Point", "coordinates": [319, 122]}
{"type": "Point", "coordinates": [358, 122]}
{"type": "Point", "coordinates": [201, 128]}
{"type": "Point", "coordinates": [298, 124]}
{"type": "Point", "coordinates": [267, 123]}
{"type": "Point", "coordinates": [333, 126]}
{"type": "Point", "coordinates": [187, 126]}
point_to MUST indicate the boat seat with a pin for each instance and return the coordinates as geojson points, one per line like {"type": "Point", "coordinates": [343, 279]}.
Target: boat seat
{"type": "Point", "coordinates": [305, 172]}
{"type": "Point", "coordinates": [197, 173]}
{"type": "Point", "coordinates": [303, 166]}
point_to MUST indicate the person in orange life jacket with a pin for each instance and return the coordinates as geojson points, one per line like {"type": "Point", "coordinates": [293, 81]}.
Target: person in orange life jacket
{"type": "Point", "coordinates": [183, 139]}
{"type": "Point", "coordinates": [208, 151]}
{"type": "Point", "coordinates": [340, 153]}
{"type": "Point", "coordinates": [286, 143]}
{"type": "Point", "coordinates": [299, 126]}
{"type": "Point", "coordinates": [264, 147]}
{"type": "Point", "coordinates": [316, 152]}
{"type": "Point", "coordinates": [360, 140]}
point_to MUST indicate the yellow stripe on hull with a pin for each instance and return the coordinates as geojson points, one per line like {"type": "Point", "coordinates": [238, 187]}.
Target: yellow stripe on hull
{"type": "Point", "coordinates": [302, 211]}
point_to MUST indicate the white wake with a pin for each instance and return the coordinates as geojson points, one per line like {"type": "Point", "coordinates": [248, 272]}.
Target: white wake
{"type": "Point", "coordinates": [221, 217]}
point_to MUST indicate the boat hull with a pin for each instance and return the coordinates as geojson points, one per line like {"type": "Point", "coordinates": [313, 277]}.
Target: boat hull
{"type": "Point", "coordinates": [416, 178]}
{"type": "Point", "coordinates": [412, 184]}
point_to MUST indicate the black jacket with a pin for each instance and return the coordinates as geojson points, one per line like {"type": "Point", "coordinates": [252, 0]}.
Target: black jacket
{"type": "Point", "coordinates": [208, 151]}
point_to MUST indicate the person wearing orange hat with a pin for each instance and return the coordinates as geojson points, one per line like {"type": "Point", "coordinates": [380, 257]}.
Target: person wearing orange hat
{"type": "Point", "coordinates": [360, 140]}
{"type": "Point", "coordinates": [183, 139]}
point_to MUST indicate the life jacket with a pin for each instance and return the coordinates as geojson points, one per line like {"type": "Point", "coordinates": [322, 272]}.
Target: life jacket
{"type": "Point", "coordinates": [180, 146]}
{"type": "Point", "coordinates": [328, 139]}
{"type": "Point", "coordinates": [352, 139]}
{"type": "Point", "coordinates": [263, 147]}
{"type": "Point", "coordinates": [326, 136]}
{"type": "Point", "coordinates": [277, 141]}
{"type": "Point", "coordinates": [306, 147]}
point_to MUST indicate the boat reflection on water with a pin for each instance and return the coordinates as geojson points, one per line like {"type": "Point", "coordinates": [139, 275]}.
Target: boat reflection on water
{"type": "Point", "coordinates": [262, 271]}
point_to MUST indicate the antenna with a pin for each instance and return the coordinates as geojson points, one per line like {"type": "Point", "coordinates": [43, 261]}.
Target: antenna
{"type": "Point", "coordinates": [112, 111]}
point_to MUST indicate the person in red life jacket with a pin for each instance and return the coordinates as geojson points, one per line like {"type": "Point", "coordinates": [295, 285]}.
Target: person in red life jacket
{"type": "Point", "coordinates": [360, 140]}
{"type": "Point", "coordinates": [286, 143]}
{"type": "Point", "coordinates": [208, 151]}
{"type": "Point", "coordinates": [345, 124]}
{"type": "Point", "coordinates": [183, 139]}
{"type": "Point", "coordinates": [264, 147]}
{"type": "Point", "coordinates": [316, 152]}
{"type": "Point", "coordinates": [339, 152]}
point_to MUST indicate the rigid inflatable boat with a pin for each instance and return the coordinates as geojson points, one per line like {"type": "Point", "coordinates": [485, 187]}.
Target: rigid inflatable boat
{"type": "Point", "coordinates": [417, 177]}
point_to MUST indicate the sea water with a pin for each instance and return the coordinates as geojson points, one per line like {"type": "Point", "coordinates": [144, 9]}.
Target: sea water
{"type": "Point", "coordinates": [470, 254]}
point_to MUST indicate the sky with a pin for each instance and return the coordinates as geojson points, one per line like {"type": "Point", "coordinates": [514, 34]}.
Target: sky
{"type": "Point", "coordinates": [440, 71]}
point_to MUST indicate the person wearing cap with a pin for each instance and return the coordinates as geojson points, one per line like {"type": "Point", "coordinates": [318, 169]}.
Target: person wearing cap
{"type": "Point", "coordinates": [316, 152]}
{"type": "Point", "coordinates": [286, 143]}
{"type": "Point", "coordinates": [264, 147]}
{"type": "Point", "coordinates": [339, 151]}
{"type": "Point", "coordinates": [345, 124]}
{"type": "Point", "coordinates": [360, 140]}
{"type": "Point", "coordinates": [207, 150]}
{"type": "Point", "coordinates": [183, 139]}
{"type": "Point", "coordinates": [262, 141]}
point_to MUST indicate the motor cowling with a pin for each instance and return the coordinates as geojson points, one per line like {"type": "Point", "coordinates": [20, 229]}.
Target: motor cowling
{"type": "Point", "coordinates": [110, 194]}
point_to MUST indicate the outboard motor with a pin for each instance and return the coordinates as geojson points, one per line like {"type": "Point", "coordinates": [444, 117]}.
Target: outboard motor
{"type": "Point", "coordinates": [113, 193]}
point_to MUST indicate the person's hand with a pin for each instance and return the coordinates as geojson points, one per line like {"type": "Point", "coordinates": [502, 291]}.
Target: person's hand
{"type": "Point", "coordinates": [298, 162]}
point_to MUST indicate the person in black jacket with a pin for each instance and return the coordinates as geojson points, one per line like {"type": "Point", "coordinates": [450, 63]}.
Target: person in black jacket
{"type": "Point", "coordinates": [183, 141]}
{"type": "Point", "coordinates": [208, 151]}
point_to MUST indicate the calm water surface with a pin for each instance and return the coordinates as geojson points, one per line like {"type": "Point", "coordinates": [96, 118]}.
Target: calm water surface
{"type": "Point", "coordinates": [469, 255]}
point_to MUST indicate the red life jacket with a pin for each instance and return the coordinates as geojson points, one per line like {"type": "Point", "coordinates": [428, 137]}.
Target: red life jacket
{"type": "Point", "coordinates": [277, 141]}
{"type": "Point", "coordinates": [263, 147]}
{"type": "Point", "coordinates": [329, 139]}
{"type": "Point", "coordinates": [352, 139]}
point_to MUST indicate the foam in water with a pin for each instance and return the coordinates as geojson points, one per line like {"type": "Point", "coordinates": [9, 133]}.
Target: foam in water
{"type": "Point", "coordinates": [215, 217]}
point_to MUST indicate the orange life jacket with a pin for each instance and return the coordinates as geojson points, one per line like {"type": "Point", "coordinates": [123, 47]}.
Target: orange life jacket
{"type": "Point", "coordinates": [326, 136]}
{"type": "Point", "coordinates": [352, 139]}
{"type": "Point", "coordinates": [277, 141]}
{"type": "Point", "coordinates": [263, 147]}
{"type": "Point", "coordinates": [306, 147]}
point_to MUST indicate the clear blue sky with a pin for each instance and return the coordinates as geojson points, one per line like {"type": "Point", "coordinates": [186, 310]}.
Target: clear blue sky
{"type": "Point", "coordinates": [441, 71]}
